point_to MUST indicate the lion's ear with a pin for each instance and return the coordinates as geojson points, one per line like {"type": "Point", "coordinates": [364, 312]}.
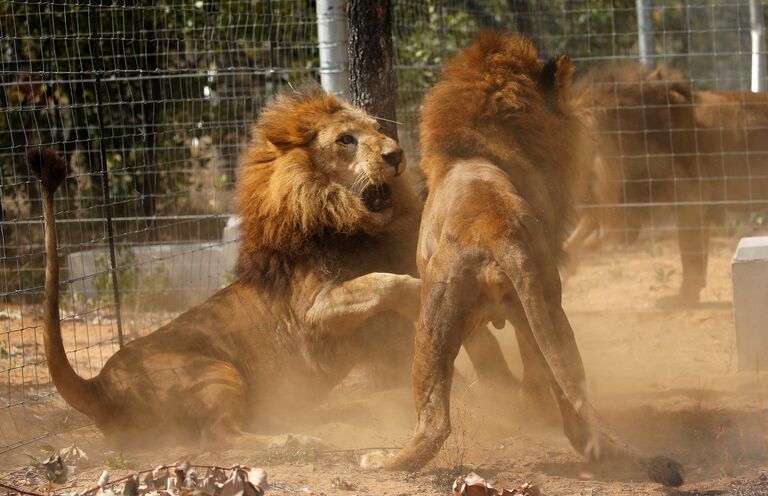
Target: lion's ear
{"type": "Point", "coordinates": [657, 74]}
{"type": "Point", "coordinates": [289, 134]}
{"type": "Point", "coordinates": [556, 78]}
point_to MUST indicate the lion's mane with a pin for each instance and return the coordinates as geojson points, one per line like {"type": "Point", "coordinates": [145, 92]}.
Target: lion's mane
{"type": "Point", "coordinates": [496, 101]}
{"type": "Point", "coordinates": [292, 215]}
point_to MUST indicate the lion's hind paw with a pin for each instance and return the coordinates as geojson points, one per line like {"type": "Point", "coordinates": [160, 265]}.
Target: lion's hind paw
{"type": "Point", "coordinates": [376, 459]}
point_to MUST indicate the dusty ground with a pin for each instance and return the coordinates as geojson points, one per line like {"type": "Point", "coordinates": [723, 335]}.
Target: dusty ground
{"type": "Point", "coordinates": [665, 379]}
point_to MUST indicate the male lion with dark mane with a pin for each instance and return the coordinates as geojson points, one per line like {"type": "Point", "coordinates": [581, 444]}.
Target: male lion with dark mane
{"type": "Point", "coordinates": [322, 280]}
{"type": "Point", "coordinates": [500, 152]}
{"type": "Point", "coordinates": [666, 151]}
{"type": "Point", "coordinates": [646, 160]}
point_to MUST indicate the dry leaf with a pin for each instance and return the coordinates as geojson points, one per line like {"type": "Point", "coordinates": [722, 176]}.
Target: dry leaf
{"type": "Point", "coordinates": [131, 487]}
{"type": "Point", "coordinates": [157, 480]}
{"type": "Point", "coordinates": [72, 455]}
{"type": "Point", "coordinates": [238, 485]}
{"type": "Point", "coordinates": [212, 481]}
{"type": "Point", "coordinates": [258, 477]}
{"type": "Point", "coordinates": [474, 485]}
{"type": "Point", "coordinates": [103, 480]}
{"type": "Point", "coordinates": [55, 469]}
{"type": "Point", "coordinates": [190, 482]}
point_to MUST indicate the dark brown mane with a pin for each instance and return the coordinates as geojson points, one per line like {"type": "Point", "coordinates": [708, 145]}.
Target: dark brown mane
{"type": "Point", "coordinates": [634, 94]}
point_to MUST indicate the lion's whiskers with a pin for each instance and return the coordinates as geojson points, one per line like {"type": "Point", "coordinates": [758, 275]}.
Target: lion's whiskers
{"type": "Point", "coordinates": [387, 120]}
{"type": "Point", "coordinates": [360, 183]}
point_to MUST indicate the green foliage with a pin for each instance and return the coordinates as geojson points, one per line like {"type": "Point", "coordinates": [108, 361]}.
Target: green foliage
{"type": "Point", "coordinates": [433, 33]}
{"type": "Point", "coordinates": [428, 32]}
{"type": "Point", "coordinates": [119, 461]}
{"type": "Point", "coordinates": [179, 82]}
{"type": "Point", "coordinates": [169, 74]}
{"type": "Point", "coordinates": [663, 276]}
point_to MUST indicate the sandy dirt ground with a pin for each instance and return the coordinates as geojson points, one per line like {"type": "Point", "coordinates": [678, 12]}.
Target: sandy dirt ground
{"type": "Point", "coordinates": [665, 379]}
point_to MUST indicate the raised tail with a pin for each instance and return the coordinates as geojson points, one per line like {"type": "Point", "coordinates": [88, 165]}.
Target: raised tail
{"type": "Point", "coordinates": [78, 392]}
{"type": "Point", "coordinates": [555, 339]}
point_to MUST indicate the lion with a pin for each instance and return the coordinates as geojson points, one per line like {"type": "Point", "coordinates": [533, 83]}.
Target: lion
{"type": "Point", "coordinates": [663, 149]}
{"type": "Point", "coordinates": [501, 152]}
{"type": "Point", "coordinates": [732, 129]}
{"type": "Point", "coordinates": [645, 164]}
{"type": "Point", "coordinates": [324, 283]}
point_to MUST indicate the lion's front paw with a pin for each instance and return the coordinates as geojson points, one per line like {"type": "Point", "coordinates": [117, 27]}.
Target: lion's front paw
{"type": "Point", "coordinates": [376, 459]}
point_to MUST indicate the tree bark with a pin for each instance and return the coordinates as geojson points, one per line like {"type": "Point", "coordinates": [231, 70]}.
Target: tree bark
{"type": "Point", "coordinates": [147, 180]}
{"type": "Point", "coordinates": [523, 17]}
{"type": "Point", "coordinates": [372, 82]}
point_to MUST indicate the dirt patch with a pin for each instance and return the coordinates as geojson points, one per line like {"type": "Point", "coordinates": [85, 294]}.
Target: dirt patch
{"type": "Point", "coordinates": [665, 379]}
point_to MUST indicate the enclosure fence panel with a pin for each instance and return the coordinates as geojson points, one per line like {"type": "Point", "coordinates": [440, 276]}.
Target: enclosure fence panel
{"type": "Point", "coordinates": [150, 103]}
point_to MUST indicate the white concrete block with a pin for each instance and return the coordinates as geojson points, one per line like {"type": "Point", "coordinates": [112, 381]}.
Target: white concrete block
{"type": "Point", "coordinates": [172, 275]}
{"type": "Point", "coordinates": [749, 269]}
{"type": "Point", "coordinates": [175, 275]}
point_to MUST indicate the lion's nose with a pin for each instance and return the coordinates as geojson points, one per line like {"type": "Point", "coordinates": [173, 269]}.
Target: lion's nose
{"type": "Point", "coordinates": [394, 158]}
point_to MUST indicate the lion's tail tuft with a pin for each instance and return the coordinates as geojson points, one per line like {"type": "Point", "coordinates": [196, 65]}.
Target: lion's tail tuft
{"type": "Point", "coordinates": [48, 166]}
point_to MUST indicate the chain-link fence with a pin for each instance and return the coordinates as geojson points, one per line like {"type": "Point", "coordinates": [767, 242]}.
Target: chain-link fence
{"type": "Point", "coordinates": [150, 102]}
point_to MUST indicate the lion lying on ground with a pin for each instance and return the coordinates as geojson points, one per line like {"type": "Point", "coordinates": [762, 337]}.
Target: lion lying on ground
{"type": "Point", "coordinates": [500, 150]}
{"type": "Point", "coordinates": [329, 233]}
{"type": "Point", "coordinates": [662, 150]}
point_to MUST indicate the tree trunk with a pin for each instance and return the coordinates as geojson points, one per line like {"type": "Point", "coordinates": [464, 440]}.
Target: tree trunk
{"type": "Point", "coordinates": [371, 61]}
{"type": "Point", "coordinates": [147, 180]}
{"type": "Point", "coordinates": [523, 17]}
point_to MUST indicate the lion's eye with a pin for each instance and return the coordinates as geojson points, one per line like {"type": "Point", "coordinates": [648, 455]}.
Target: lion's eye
{"type": "Point", "coordinates": [346, 139]}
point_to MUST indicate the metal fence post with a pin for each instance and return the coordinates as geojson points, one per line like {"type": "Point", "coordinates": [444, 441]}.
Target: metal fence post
{"type": "Point", "coordinates": [757, 32]}
{"type": "Point", "coordinates": [644, 30]}
{"type": "Point", "coordinates": [332, 39]}
{"type": "Point", "coordinates": [98, 66]}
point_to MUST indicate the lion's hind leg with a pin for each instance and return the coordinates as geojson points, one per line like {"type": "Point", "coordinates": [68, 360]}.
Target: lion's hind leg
{"type": "Point", "coordinates": [217, 401]}
{"type": "Point", "coordinates": [488, 360]}
{"type": "Point", "coordinates": [448, 315]}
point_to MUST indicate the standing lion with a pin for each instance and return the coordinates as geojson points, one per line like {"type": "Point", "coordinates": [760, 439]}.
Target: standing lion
{"type": "Point", "coordinates": [664, 151]}
{"type": "Point", "coordinates": [646, 164]}
{"type": "Point", "coordinates": [501, 151]}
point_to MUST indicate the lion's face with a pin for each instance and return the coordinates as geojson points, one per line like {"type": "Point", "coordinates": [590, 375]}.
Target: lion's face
{"type": "Point", "coordinates": [316, 167]}
{"type": "Point", "coordinates": [358, 156]}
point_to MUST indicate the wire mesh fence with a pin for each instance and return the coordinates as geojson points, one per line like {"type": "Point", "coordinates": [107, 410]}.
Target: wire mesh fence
{"type": "Point", "coordinates": [150, 102]}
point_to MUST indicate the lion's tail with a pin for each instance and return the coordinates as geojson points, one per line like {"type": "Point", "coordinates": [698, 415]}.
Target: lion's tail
{"type": "Point", "coordinates": [78, 392]}
{"type": "Point", "coordinates": [554, 336]}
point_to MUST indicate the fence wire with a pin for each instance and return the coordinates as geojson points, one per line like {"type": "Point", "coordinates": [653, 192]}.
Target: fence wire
{"type": "Point", "coordinates": [157, 97]}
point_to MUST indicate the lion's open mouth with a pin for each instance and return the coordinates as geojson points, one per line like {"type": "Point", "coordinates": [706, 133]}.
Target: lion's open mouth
{"type": "Point", "coordinates": [377, 197]}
